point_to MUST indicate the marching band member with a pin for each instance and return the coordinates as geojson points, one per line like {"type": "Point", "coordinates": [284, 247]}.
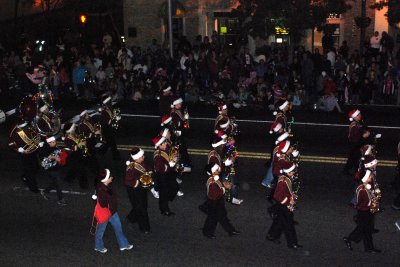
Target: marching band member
{"type": "Point", "coordinates": [283, 221]}
{"type": "Point", "coordinates": [76, 145]}
{"type": "Point", "coordinates": [89, 130]}
{"type": "Point", "coordinates": [223, 114]}
{"type": "Point", "coordinates": [219, 155]}
{"type": "Point", "coordinates": [165, 175]}
{"type": "Point", "coordinates": [178, 122]}
{"type": "Point", "coordinates": [25, 140]}
{"type": "Point", "coordinates": [137, 191]}
{"type": "Point", "coordinates": [166, 99]}
{"type": "Point", "coordinates": [109, 123]}
{"type": "Point", "coordinates": [283, 107]}
{"type": "Point", "coordinates": [282, 136]}
{"type": "Point", "coordinates": [216, 204]}
{"type": "Point", "coordinates": [53, 159]}
{"type": "Point", "coordinates": [365, 215]}
{"type": "Point", "coordinates": [359, 134]}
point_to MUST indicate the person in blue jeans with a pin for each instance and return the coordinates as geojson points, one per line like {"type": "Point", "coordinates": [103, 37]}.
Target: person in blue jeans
{"type": "Point", "coordinates": [106, 197]}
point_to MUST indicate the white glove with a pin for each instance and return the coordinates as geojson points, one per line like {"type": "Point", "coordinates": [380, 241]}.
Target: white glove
{"type": "Point", "coordinates": [228, 162]}
{"type": "Point", "coordinates": [178, 133]}
{"type": "Point", "coordinates": [186, 116]}
{"type": "Point", "coordinates": [21, 150]}
{"type": "Point", "coordinates": [295, 153]}
{"type": "Point", "coordinates": [172, 164]}
{"type": "Point", "coordinates": [118, 118]}
{"type": "Point", "coordinates": [377, 136]}
{"type": "Point", "coordinates": [41, 144]}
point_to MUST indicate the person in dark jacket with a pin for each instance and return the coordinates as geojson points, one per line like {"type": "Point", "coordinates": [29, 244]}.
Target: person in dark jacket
{"type": "Point", "coordinates": [107, 198]}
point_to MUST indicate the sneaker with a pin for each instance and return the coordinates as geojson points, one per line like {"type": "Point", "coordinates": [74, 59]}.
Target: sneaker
{"type": "Point", "coordinates": [129, 247]}
{"type": "Point", "coordinates": [179, 181]}
{"type": "Point", "coordinates": [397, 224]}
{"type": "Point", "coordinates": [62, 202]}
{"type": "Point", "coordinates": [265, 185]}
{"type": "Point", "coordinates": [155, 193]}
{"type": "Point", "coordinates": [237, 201]}
{"type": "Point", "coordinates": [104, 250]}
{"type": "Point", "coordinates": [44, 195]}
{"type": "Point", "coordinates": [180, 193]}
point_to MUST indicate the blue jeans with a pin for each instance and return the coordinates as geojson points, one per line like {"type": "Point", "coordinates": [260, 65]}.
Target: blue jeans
{"type": "Point", "coordinates": [269, 177]}
{"type": "Point", "coordinates": [116, 224]}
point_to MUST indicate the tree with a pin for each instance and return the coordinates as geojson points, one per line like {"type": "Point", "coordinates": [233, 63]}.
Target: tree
{"type": "Point", "coordinates": [261, 17]}
{"type": "Point", "coordinates": [393, 13]}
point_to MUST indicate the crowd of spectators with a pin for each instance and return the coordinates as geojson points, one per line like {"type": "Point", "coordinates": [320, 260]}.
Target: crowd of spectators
{"type": "Point", "coordinates": [208, 71]}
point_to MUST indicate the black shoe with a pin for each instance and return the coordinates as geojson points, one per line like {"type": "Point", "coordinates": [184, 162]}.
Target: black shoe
{"type": "Point", "coordinates": [373, 251]}
{"type": "Point", "coordinates": [274, 240]}
{"type": "Point", "coordinates": [375, 231]}
{"type": "Point", "coordinates": [146, 232]}
{"type": "Point", "coordinates": [234, 232]}
{"type": "Point", "coordinates": [295, 222]}
{"type": "Point", "coordinates": [210, 236]}
{"type": "Point", "coordinates": [167, 213]}
{"type": "Point", "coordinates": [347, 242]}
{"type": "Point", "coordinates": [295, 246]}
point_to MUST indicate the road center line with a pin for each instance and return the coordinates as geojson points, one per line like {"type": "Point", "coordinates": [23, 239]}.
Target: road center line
{"type": "Point", "coordinates": [262, 121]}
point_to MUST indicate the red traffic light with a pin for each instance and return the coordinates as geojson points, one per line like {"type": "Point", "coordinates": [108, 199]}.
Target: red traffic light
{"type": "Point", "coordinates": [82, 19]}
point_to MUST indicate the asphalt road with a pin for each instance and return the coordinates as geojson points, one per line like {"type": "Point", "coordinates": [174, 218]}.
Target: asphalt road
{"type": "Point", "coordinates": [36, 232]}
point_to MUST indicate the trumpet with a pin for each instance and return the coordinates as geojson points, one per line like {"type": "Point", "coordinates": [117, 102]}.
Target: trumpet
{"type": "Point", "coordinates": [146, 180]}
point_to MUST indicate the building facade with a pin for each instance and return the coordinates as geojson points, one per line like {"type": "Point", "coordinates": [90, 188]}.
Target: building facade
{"type": "Point", "coordinates": [144, 22]}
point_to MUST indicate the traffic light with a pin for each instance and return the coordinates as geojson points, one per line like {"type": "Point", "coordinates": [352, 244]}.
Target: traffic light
{"type": "Point", "coordinates": [82, 18]}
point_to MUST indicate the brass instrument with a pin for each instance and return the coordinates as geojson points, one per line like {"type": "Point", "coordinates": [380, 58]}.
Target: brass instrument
{"type": "Point", "coordinates": [52, 123]}
{"type": "Point", "coordinates": [116, 117]}
{"type": "Point", "coordinates": [175, 157]}
{"type": "Point", "coordinates": [26, 138]}
{"type": "Point", "coordinates": [146, 180]}
{"type": "Point", "coordinates": [98, 134]}
{"type": "Point", "coordinates": [49, 163]}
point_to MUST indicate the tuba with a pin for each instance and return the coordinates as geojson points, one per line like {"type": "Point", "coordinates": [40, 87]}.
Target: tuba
{"type": "Point", "coordinates": [146, 180]}
{"type": "Point", "coordinates": [48, 124]}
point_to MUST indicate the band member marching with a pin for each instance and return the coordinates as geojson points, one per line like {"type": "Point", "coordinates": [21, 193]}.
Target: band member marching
{"type": "Point", "coordinates": [179, 124]}
{"type": "Point", "coordinates": [223, 114]}
{"type": "Point", "coordinates": [359, 134]}
{"type": "Point", "coordinates": [138, 179]}
{"type": "Point", "coordinates": [281, 114]}
{"type": "Point", "coordinates": [366, 208]}
{"type": "Point", "coordinates": [216, 204]}
{"type": "Point", "coordinates": [52, 160]}
{"type": "Point", "coordinates": [25, 140]}
{"type": "Point", "coordinates": [165, 175]}
{"type": "Point", "coordinates": [166, 99]}
{"type": "Point", "coordinates": [76, 145]}
{"type": "Point", "coordinates": [109, 124]}
{"type": "Point", "coordinates": [285, 201]}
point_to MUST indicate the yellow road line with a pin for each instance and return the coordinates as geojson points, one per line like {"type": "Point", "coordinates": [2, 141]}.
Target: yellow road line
{"type": "Point", "coordinates": [255, 155]}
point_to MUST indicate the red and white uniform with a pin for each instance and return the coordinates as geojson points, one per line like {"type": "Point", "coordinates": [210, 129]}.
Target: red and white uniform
{"type": "Point", "coordinates": [283, 191]}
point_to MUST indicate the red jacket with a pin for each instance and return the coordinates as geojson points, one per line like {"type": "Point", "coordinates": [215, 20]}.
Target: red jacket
{"type": "Point", "coordinates": [215, 189]}
{"type": "Point", "coordinates": [283, 191]}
